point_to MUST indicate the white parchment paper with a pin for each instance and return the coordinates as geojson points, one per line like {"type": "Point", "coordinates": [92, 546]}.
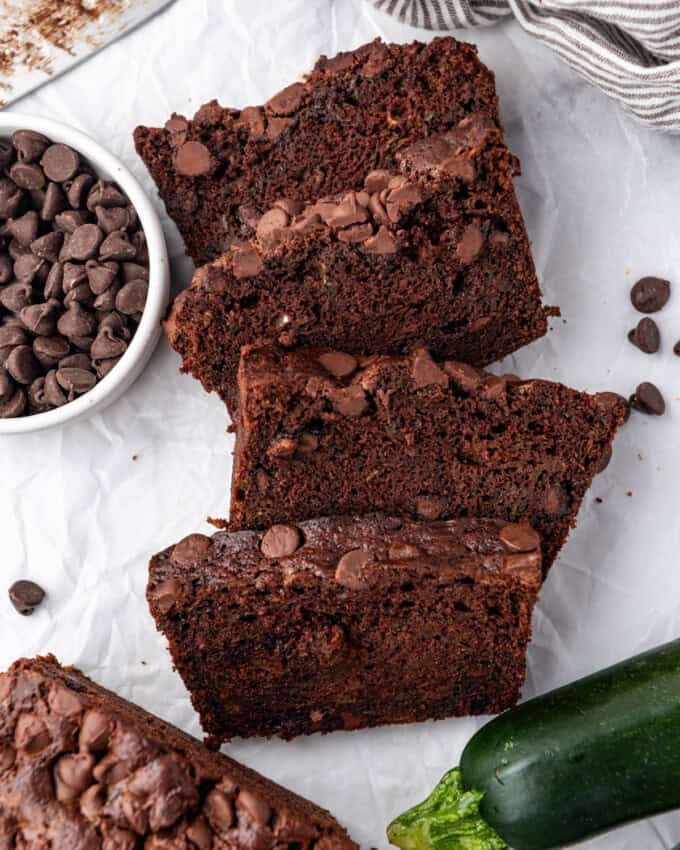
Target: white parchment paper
{"type": "Point", "coordinates": [81, 515]}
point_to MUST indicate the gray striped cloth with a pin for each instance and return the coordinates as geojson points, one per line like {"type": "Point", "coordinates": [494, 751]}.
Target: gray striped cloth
{"type": "Point", "coordinates": [628, 48]}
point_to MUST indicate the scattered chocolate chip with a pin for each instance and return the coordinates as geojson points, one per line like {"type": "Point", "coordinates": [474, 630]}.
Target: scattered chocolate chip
{"type": "Point", "coordinates": [26, 596]}
{"type": "Point", "coordinates": [648, 399]}
{"type": "Point", "coordinates": [519, 537]}
{"type": "Point", "coordinates": [350, 569]}
{"type": "Point", "coordinates": [606, 458]}
{"type": "Point", "coordinates": [650, 294]}
{"type": "Point", "coordinates": [280, 541]}
{"type": "Point", "coordinates": [219, 811]}
{"type": "Point", "coordinates": [646, 336]}
{"type": "Point", "coordinates": [247, 262]}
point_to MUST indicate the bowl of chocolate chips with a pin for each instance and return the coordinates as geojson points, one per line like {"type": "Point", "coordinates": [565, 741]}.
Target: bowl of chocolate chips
{"type": "Point", "coordinates": [84, 278]}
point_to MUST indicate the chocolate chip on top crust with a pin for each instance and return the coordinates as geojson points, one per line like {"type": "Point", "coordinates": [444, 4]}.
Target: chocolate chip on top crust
{"type": "Point", "coordinates": [63, 290]}
{"type": "Point", "coordinates": [80, 768]}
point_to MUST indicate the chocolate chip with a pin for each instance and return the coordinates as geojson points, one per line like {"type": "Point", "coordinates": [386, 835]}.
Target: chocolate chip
{"type": "Point", "coordinates": [70, 221]}
{"type": "Point", "coordinates": [430, 507]}
{"type": "Point", "coordinates": [31, 735]}
{"type": "Point", "coordinates": [75, 322]}
{"type": "Point", "coordinates": [646, 336]}
{"type": "Point", "coordinates": [470, 244]}
{"type": "Point", "coordinates": [72, 775]}
{"type": "Point", "coordinates": [192, 159]}
{"type": "Point", "coordinates": [37, 400]}
{"type": "Point", "coordinates": [75, 381]}
{"type": "Point", "coordinates": [107, 345]}
{"type": "Point", "coordinates": [14, 406]}
{"type": "Point", "coordinates": [11, 335]}
{"type": "Point", "coordinates": [133, 271]}
{"type": "Point", "coordinates": [287, 101]}
{"type": "Point", "coordinates": [219, 811]}
{"type": "Point", "coordinates": [114, 218]}
{"type": "Point", "coordinates": [53, 392]}
{"type": "Point", "coordinates": [29, 144]}
{"type": "Point", "coordinates": [47, 247]}
{"type": "Point", "coordinates": [117, 246]}
{"type": "Point", "coordinates": [11, 198]}
{"type": "Point", "coordinates": [280, 541]}
{"type": "Point", "coordinates": [271, 225]}
{"type": "Point", "coordinates": [519, 537]}
{"type": "Point", "coordinates": [6, 155]}
{"type": "Point", "coordinates": [165, 594]}
{"type": "Point", "coordinates": [53, 203]}
{"type": "Point", "coordinates": [41, 319]}
{"type": "Point", "coordinates": [75, 361]}
{"type": "Point", "coordinates": [132, 297]}
{"type": "Point", "coordinates": [200, 834]}
{"type": "Point", "coordinates": [103, 367]}
{"type": "Point", "coordinates": [85, 241]}
{"type": "Point", "coordinates": [464, 376]}
{"type": "Point", "coordinates": [349, 401]}
{"type": "Point", "coordinates": [95, 731]}
{"type": "Point", "coordinates": [255, 807]}
{"type": "Point", "coordinates": [26, 596]}
{"type": "Point", "coordinates": [78, 189]}
{"type": "Point", "coordinates": [25, 228]}
{"type": "Point", "coordinates": [606, 458]}
{"type": "Point", "coordinates": [246, 261]}
{"type": "Point", "coordinates": [337, 363]}
{"type": "Point", "coordinates": [6, 269]}
{"type": "Point", "coordinates": [49, 350]}
{"type": "Point", "coordinates": [425, 371]}
{"type": "Point", "coordinates": [650, 294]}
{"type": "Point", "coordinates": [350, 569]}
{"type": "Point", "coordinates": [383, 242]}
{"type": "Point", "coordinates": [27, 175]}
{"type": "Point", "coordinates": [28, 267]}
{"type": "Point", "coordinates": [105, 194]}
{"type": "Point", "coordinates": [60, 162]}
{"type": "Point", "coordinates": [648, 399]}
{"type": "Point", "coordinates": [22, 364]}
{"type": "Point", "coordinates": [192, 549]}
{"type": "Point", "coordinates": [6, 385]}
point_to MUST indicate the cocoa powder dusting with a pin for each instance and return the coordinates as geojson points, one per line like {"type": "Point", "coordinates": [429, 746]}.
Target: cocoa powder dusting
{"type": "Point", "coordinates": [29, 27]}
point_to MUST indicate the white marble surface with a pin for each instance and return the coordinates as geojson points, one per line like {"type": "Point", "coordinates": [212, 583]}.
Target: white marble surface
{"type": "Point", "coordinates": [81, 516]}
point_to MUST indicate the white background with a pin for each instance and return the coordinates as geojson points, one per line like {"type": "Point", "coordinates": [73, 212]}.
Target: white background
{"type": "Point", "coordinates": [79, 515]}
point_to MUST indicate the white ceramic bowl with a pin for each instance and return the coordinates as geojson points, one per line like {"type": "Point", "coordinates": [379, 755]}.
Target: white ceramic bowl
{"type": "Point", "coordinates": [148, 333]}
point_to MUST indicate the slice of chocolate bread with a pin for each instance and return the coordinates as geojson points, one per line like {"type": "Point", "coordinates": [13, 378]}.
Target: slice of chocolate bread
{"type": "Point", "coordinates": [342, 623]}
{"type": "Point", "coordinates": [321, 434]}
{"type": "Point", "coordinates": [82, 769]}
{"type": "Point", "coordinates": [433, 254]}
{"type": "Point", "coordinates": [220, 171]}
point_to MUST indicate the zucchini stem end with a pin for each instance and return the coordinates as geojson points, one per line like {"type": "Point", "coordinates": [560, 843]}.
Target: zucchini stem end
{"type": "Point", "coordinates": [448, 819]}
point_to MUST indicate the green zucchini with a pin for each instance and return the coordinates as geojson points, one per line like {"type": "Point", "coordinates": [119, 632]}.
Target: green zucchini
{"type": "Point", "coordinates": [562, 767]}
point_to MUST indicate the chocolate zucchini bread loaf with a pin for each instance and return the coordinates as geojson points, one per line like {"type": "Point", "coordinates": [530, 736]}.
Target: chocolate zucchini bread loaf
{"type": "Point", "coordinates": [82, 769]}
{"type": "Point", "coordinates": [434, 253]}
{"type": "Point", "coordinates": [219, 172]}
{"type": "Point", "coordinates": [342, 623]}
{"type": "Point", "coordinates": [323, 434]}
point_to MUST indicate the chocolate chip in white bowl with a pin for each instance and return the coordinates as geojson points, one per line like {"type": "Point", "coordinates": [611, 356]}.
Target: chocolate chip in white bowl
{"type": "Point", "coordinates": [74, 273]}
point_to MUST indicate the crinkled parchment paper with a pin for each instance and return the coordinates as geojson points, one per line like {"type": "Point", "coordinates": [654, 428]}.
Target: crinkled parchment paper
{"type": "Point", "coordinates": [81, 515]}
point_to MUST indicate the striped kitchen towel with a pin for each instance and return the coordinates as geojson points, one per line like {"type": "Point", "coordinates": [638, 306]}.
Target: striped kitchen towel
{"type": "Point", "coordinates": [629, 48]}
